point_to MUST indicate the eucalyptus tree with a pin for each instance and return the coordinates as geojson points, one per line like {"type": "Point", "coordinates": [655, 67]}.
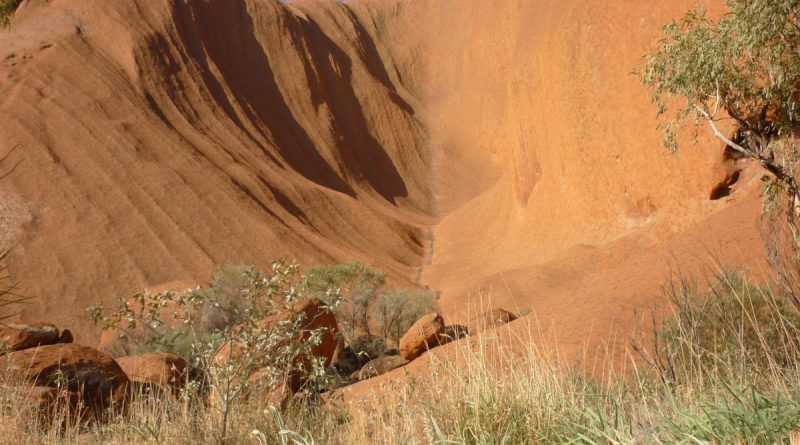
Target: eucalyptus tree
{"type": "Point", "coordinates": [743, 67]}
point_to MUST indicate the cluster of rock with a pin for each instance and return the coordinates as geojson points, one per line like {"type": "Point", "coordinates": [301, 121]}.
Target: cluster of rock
{"type": "Point", "coordinates": [367, 356]}
{"type": "Point", "coordinates": [51, 371]}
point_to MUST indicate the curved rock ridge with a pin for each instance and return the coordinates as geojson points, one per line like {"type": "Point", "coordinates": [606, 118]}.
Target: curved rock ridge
{"type": "Point", "coordinates": [454, 144]}
{"type": "Point", "coordinates": [162, 138]}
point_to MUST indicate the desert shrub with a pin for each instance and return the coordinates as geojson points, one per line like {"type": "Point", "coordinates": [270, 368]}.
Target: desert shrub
{"type": "Point", "coordinates": [367, 307]}
{"type": "Point", "coordinates": [490, 392]}
{"type": "Point", "coordinates": [215, 307]}
{"type": "Point", "coordinates": [395, 312]}
{"type": "Point", "coordinates": [255, 332]}
{"type": "Point", "coordinates": [7, 8]}
{"type": "Point", "coordinates": [743, 67]}
{"type": "Point", "coordinates": [359, 287]}
{"type": "Point", "coordinates": [368, 347]}
{"type": "Point", "coordinates": [736, 327]}
{"type": "Point", "coordinates": [225, 297]}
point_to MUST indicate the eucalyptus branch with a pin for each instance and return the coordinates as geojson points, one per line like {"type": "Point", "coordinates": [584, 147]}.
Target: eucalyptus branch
{"type": "Point", "coordinates": [721, 136]}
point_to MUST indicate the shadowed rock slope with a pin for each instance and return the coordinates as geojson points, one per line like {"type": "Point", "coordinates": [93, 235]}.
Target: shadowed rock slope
{"type": "Point", "coordinates": [161, 138]}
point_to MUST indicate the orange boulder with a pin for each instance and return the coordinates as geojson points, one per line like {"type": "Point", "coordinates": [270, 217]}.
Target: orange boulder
{"type": "Point", "coordinates": [423, 335]}
{"type": "Point", "coordinates": [381, 365]}
{"type": "Point", "coordinates": [94, 375]}
{"type": "Point", "coordinates": [165, 371]}
{"type": "Point", "coordinates": [46, 405]}
{"type": "Point", "coordinates": [317, 317]}
{"type": "Point", "coordinates": [15, 337]}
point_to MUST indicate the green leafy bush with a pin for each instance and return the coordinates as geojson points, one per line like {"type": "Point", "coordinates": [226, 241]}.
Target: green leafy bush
{"type": "Point", "coordinates": [739, 75]}
{"type": "Point", "coordinates": [744, 67]}
{"type": "Point", "coordinates": [149, 328]}
{"type": "Point", "coordinates": [367, 307]}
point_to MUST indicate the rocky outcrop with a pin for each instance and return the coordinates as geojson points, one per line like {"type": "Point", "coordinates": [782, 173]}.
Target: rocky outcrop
{"type": "Point", "coordinates": [343, 129]}
{"type": "Point", "coordinates": [15, 337]}
{"type": "Point", "coordinates": [95, 376]}
{"type": "Point", "coordinates": [316, 317]}
{"type": "Point", "coordinates": [423, 335]}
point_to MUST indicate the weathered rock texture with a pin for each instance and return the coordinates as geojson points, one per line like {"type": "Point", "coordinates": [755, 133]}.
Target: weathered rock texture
{"type": "Point", "coordinates": [14, 337]}
{"type": "Point", "coordinates": [500, 144]}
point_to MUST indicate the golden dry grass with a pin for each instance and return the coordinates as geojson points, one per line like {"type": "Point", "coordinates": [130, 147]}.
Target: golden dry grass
{"type": "Point", "coordinates": [488, 390]}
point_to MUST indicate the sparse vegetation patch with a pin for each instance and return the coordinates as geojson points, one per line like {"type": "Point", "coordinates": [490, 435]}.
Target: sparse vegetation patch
{"type": "Point", "coordinates": [7, 8]}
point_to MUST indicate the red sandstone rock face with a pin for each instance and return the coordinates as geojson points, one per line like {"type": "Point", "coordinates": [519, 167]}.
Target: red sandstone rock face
{"type": "Point", "coordinates": [168, 372]}
{"type": "Point", "coordinates": [372, 151]}
{"type": "Point", "coordinates": [94, 375]}
{"type": "Point", "coordinates": [423, 335]}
